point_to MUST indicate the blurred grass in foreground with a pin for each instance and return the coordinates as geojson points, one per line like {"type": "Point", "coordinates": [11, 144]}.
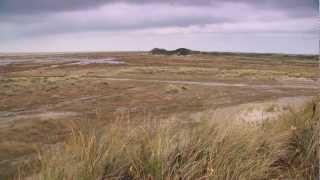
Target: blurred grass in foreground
{"type": "Point", "coordinates": [286, 148]}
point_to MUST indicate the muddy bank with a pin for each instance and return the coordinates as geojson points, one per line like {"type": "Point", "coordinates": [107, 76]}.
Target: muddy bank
{"type": "Point", "coordinates": [69, 61]}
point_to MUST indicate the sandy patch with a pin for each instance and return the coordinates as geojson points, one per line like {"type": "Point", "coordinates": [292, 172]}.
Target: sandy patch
{"type": "Point", "coordinates": [250, 112]}
{"type": "Point", "coordinates": [253, 112]}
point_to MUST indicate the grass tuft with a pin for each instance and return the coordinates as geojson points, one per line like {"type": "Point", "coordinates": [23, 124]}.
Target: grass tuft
{"type": "Point", "coordinates": [286, 148]}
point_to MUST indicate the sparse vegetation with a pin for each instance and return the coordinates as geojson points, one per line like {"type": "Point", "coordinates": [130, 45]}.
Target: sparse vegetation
{"type": "Point", "coordinates": [37, 93]}
{"type": "Point", "coordinates": [271, 108]}
{"type": "Point", "coordinates": [172, 88]}
{"type": "Point", "coordinates": [286, 148]}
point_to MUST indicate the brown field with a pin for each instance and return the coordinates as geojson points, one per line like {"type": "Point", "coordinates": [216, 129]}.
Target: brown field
{"type": "Point", "coordinates": [39, 92]}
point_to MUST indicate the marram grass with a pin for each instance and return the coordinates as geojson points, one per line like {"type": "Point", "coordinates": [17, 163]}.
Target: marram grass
{"type": "Point", "coordinates": [286, 148]}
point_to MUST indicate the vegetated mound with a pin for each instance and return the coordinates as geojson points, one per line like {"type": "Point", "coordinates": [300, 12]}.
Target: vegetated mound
{"type": "Point", "coordinates": [158, 51]}
{"type": "Point", "coordinates": [179, 52]}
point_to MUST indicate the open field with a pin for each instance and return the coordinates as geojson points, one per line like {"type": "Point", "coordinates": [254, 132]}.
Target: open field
{"type": "Point", "coordinates": [40, 92]}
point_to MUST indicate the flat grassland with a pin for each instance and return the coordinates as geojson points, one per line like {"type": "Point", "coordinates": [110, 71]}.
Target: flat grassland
{"type": "Point", "coordinates": [40, 92]}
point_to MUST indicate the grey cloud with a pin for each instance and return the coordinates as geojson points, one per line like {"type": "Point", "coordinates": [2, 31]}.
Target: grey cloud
{"type": "Point", "coordinates": [39, 22]}
{"type": "Point", "coordinates": [126, 17]}
{"type": "Point", "coordinates": [295, 7]}
{"type": "Point", "coordinates": [27, 19]}
{"type": "Point", "coordinates": [110, 19]}
{"type": "Point", "coordinates": [11, 7]}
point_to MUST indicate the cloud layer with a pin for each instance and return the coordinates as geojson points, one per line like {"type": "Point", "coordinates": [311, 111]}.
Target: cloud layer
{"type": "Point", "coordinates": [34, 19]}
{"type": "Point", "coordinates": [37, 6]}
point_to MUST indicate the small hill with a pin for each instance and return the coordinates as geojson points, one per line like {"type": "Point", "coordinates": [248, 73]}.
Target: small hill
{"type": "Point", "coordinates": [179, 52]}
{"type": "Point", "coordinates": [158, 51]}
{"type": "Point", "coordinates": [183, 51]}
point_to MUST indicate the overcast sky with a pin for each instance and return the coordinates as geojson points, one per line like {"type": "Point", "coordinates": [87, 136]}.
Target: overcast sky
{"type": "Point", "coordinates": [282, 26]}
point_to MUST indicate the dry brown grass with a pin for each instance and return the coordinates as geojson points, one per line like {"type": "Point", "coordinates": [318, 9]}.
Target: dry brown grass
{"type": "Point", "coordinates": [286, 148]}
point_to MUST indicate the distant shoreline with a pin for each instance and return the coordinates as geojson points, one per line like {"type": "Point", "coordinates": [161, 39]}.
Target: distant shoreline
{"type": "Point", "coordinates": [129, 51]}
